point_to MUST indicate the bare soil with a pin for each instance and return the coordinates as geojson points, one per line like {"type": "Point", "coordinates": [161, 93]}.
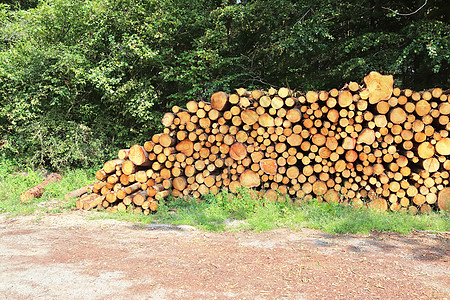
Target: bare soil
{"type": "Point", "coordinates": [70, 256]}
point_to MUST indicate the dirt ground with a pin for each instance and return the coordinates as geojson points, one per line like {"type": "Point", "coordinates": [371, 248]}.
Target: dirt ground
{"type": "Point", "coordinates": [69, 256]}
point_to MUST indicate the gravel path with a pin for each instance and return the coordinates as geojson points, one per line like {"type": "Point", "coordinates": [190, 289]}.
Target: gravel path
{"type": "Point", "coordinates": [69, 256]}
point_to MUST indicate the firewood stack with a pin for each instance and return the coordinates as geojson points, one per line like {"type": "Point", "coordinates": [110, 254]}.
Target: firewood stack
{"type": "Point", "coordinates": [369, 145]}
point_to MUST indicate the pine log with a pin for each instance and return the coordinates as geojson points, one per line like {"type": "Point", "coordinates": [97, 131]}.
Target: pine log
{"type": "Point", "coordinates": [168, 119]}
{"type": "Point", "coordinates": [179, 183]}
{"type": "Point", "coordinates": [110, 166]}
{"type": "Point", "coordinates": [379, 204]}
{"type": "Point", "coordinates": [238, 151]}
{"type": "Point", "coordinates": [443, 146]}
{"type": "Point", "coordinates": [38, 190]}
{"type": "Point", "coordinates": [249, 179]}
{"type": "Point", "coordinates": [319, 188]}
{"type": "Point", "coordinates": [219, 101]}
{"type": "Point", "coordinates": [92, 203]}
{"type": "Point", "coordinates": [266, 120]}
{"type": "Point", "coordinates": [444, 199]}
{"type": "Point", "coordinates": [139, 156]}
{"type": "Point", "coordinates": [345, 98]}
{"type": "Point", "coordinates": [79, 192]}
{"type": "Point", "coordinates": [380, 87]}
{"type": "Point", "coordinates": [186, 147]}
{"type": "Point", "coordinates": [269, 166]}
{"type": "Point", "coordinates": [366, 136]}
{"type": "Point", "coordinates": [249, 117]}
{"type": "Point", "coordinates": [425, 150]}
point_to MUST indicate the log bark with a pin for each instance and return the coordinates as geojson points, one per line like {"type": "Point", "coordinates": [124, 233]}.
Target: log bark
{"type": "Point", "coordinates": [79, 192]}
{"type": "Point", "coordinates": [38, 190]}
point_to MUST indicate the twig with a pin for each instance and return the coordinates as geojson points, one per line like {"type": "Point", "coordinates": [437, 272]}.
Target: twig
{"type": "Point", "coordinates": [408, 14]}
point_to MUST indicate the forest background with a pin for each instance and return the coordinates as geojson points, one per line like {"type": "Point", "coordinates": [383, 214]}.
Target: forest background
{"type": "Point", "coordinates": [80, 79]}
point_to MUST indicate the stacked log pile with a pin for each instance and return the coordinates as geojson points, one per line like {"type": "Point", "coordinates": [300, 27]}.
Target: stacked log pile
{"type": "Point", "coordinates": [369, 145]}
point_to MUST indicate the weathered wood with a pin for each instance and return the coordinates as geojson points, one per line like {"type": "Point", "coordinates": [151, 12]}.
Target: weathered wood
{"type": "Point", "coordinates": [38, 190]}
{"type": "Point", "coordinates": [79, 192]}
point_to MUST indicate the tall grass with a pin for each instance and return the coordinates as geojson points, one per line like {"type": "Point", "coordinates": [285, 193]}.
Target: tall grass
{"type": "Point", "coordinates": [14, 181]}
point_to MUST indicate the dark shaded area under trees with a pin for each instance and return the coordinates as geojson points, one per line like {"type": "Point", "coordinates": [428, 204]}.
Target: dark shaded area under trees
{"type": "Point", "coordinates": [80, 79]}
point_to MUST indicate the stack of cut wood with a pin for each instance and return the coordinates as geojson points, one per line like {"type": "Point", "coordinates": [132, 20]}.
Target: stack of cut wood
{"type": "Point", "coordinates": [369, 145]}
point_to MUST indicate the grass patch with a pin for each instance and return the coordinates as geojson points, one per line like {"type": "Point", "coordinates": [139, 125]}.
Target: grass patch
{"type": "Point", "coordinates": [13, 182]}
{"type": "Point", "coordinates": [216, 213]}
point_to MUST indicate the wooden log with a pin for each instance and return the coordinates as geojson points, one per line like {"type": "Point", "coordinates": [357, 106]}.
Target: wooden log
{"type": "Point", "coordinates": [238, 151]}
{"type": "Point", "coordinates": [349, 143]}
{"type": "Point", "coordinates": [101, 174]}
{"type": "Point", "coordinates": [444, 199]}
{"type": "Point", "coordinates": [379, 204]}
{"type": "Point", "coordinates": [422, 108]}
{"type": "Point", "coordinates": [92, 203]}
{"type": "Point", "coordinates": [179, 183]}
{"type": "Point", "coordinates": [186, 147]}
{"type": "Point", "coordinates": [266, 120]}
{"type": "Point", "coordinates": [79, 192]}
{"type": "Point", "coordinates": [139, 156]}
{"type": "Point", "coordinates": [398, 115]}
{"type": "Point", "coordinates": [123, 154]}
{"type": "Point", "coordinates": [269, 166]}
{"type": "Point", "coordinates": [219, 101]}
{"type": "Point", "coordinates": [294, 140]}
{"type": "Point", "coordinates": [38, 190]}
{"type": "Point", "coordinates": [139, 198]}
{"type": "Point", "coordinates": [110, 166]}
{"type": "Point", "coordinates": [367, 136]}
{"type": "Point", "coordinates": [250, 179]}
{"type": "Point", "coordinates": [249, 117]}
{"type": "Point", "coordinates": [345, 98]}
{"type": "Point", "coordinates": [425, 150]}
{"type": "Point", "coordinates": [380, 87]}
{"type": "Point", "coordinates": [284, 92]}
{"type": "Point", "coordinates": [168, 119]}
{"type": "Point", "coordinates": [161, 195]}
{"type": "Point", "coordinates": [293, 115]}
{"type": "Point", "coordinates": [443, 146]}
{"type": "Point", "coordinates": [79, 202]}
{"type": "Point", "coordinates": [331, 195]}
{"type": "Point", "coordinates": [166, 140]}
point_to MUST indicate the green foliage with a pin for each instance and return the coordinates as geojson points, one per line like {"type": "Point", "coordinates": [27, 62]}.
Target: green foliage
{"type": "Point", "coordinates": [81, 78]}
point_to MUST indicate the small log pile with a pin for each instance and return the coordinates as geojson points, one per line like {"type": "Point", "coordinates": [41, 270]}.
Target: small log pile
{"type": "Point", "coordinates": [371, 145]}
